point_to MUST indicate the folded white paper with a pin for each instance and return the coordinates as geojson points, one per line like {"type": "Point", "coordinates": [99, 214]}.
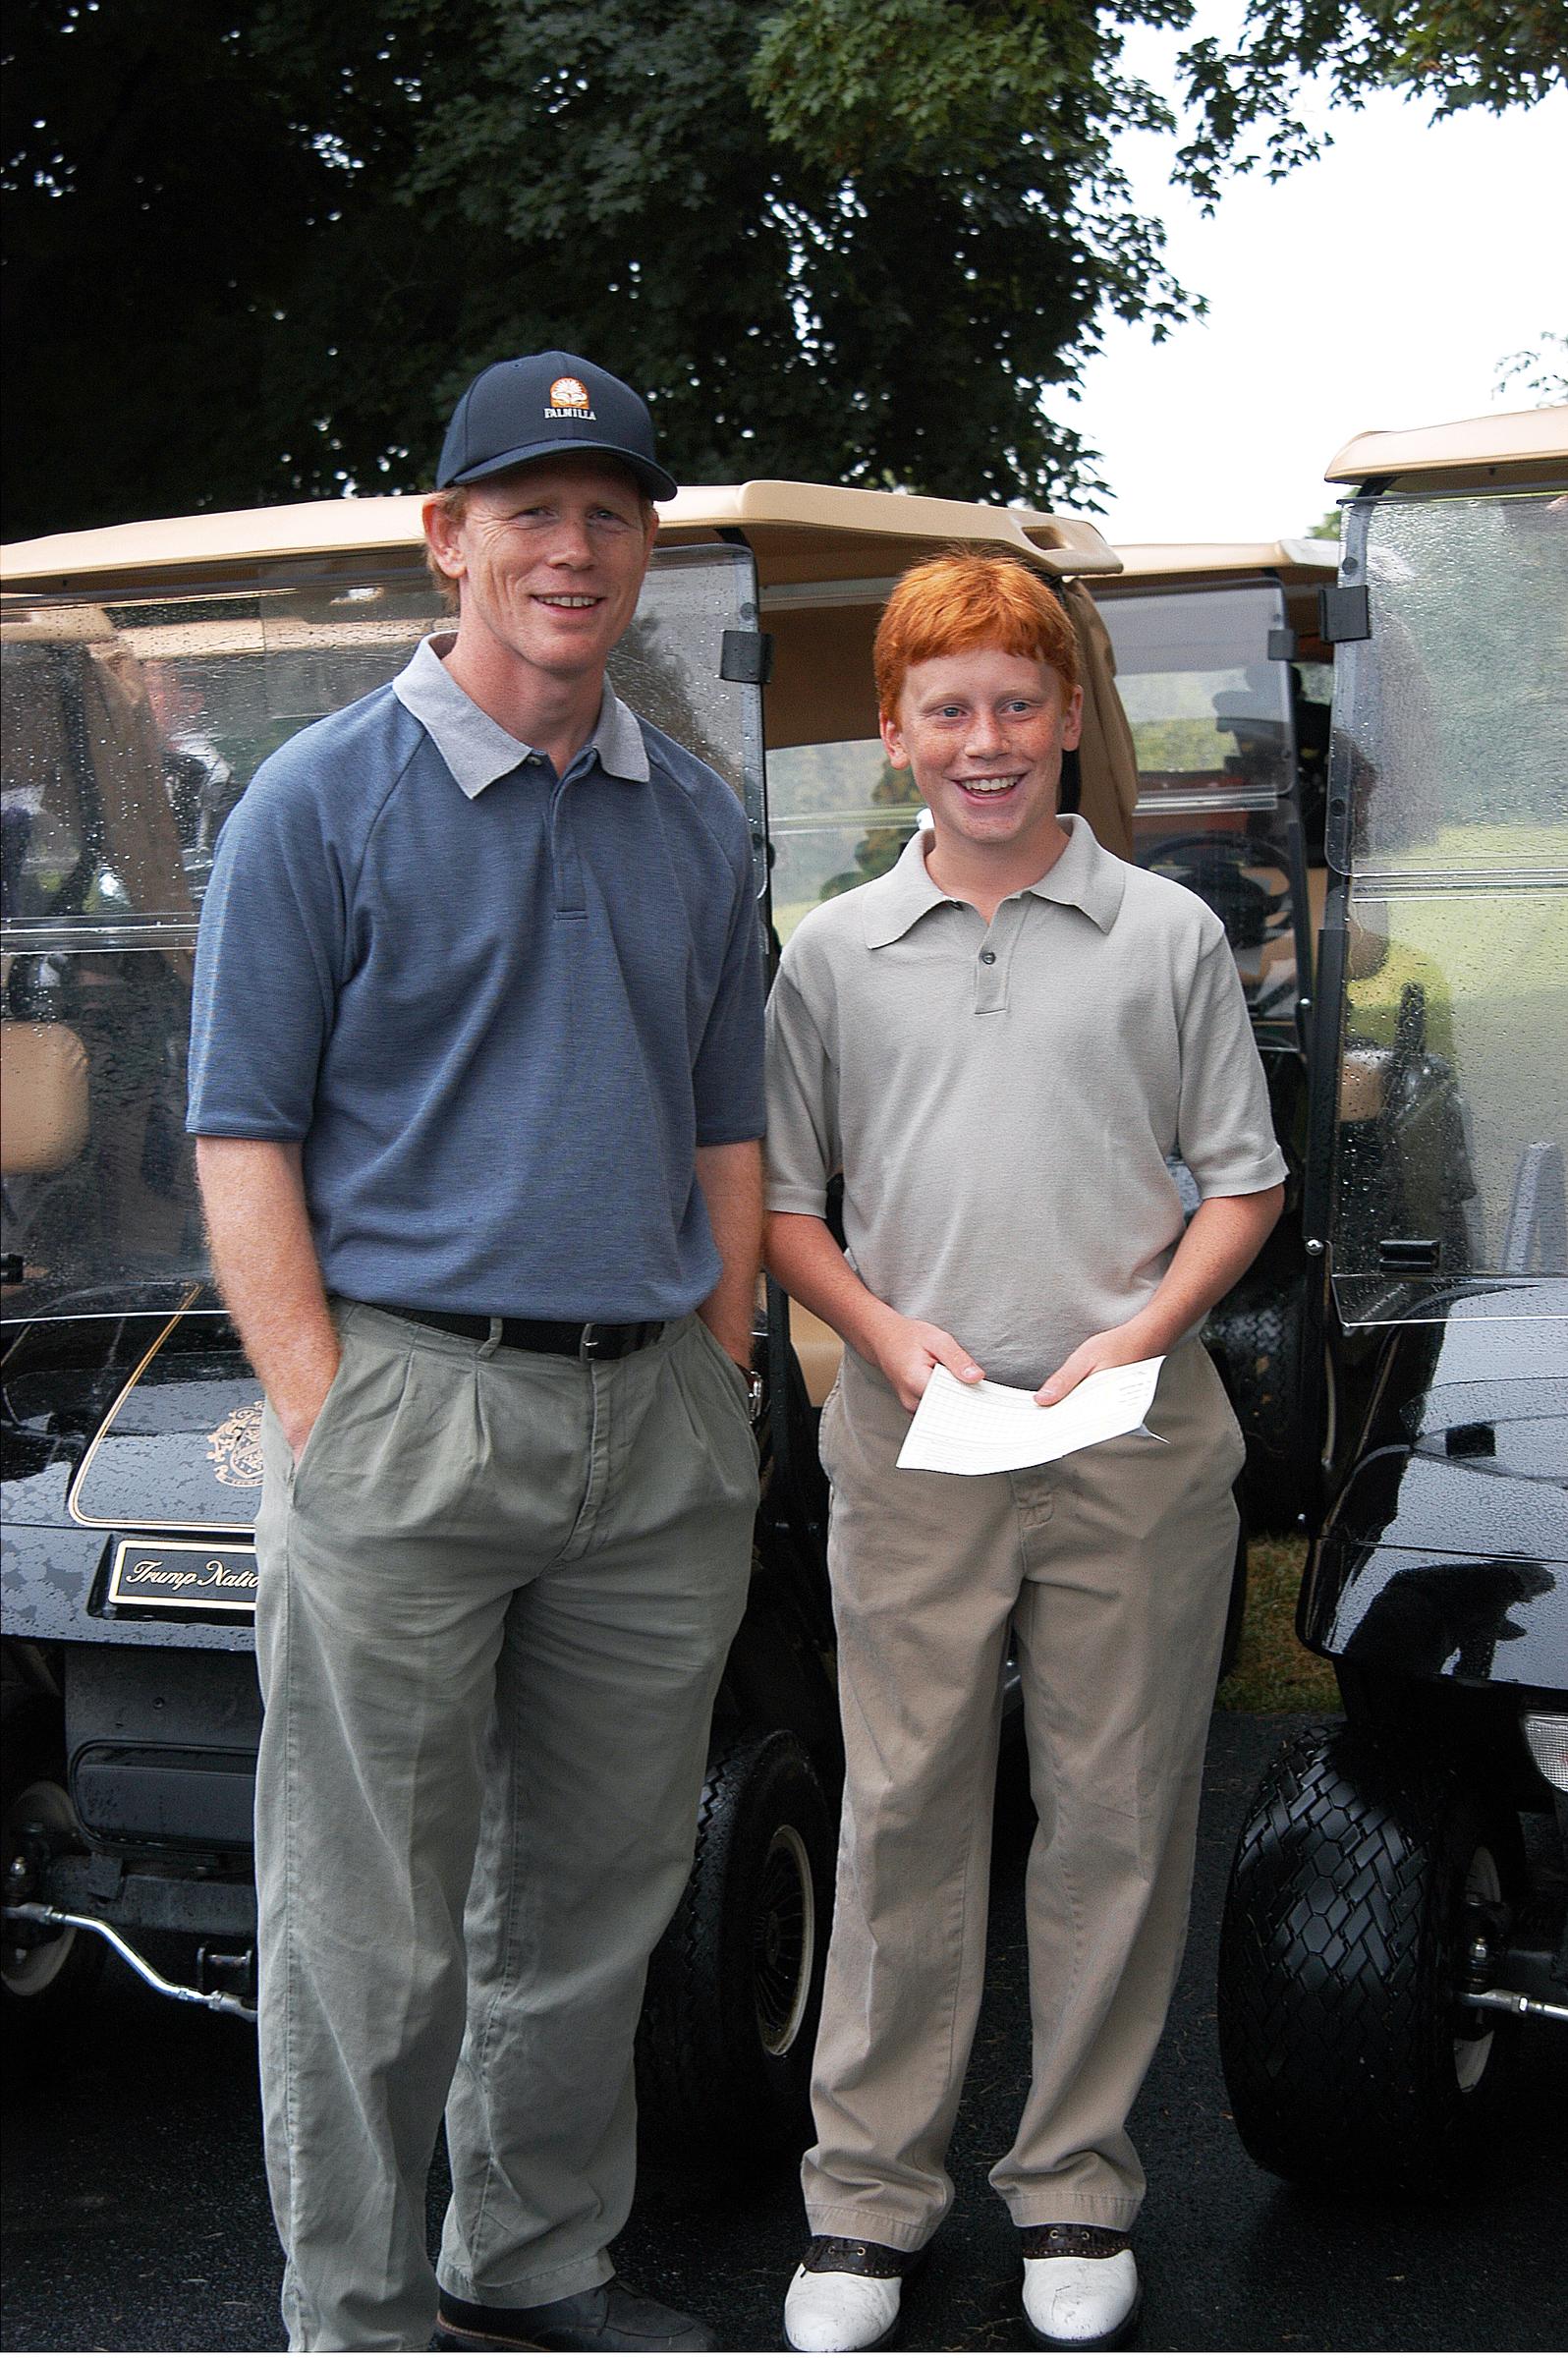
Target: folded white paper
{"type": "Point", "coordinates": [992, 1427]}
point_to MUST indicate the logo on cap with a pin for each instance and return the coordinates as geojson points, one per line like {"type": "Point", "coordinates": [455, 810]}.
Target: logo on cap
{"type": "Point", "coordinates": [569, 398]}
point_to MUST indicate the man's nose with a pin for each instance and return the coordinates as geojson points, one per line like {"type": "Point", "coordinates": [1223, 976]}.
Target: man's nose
{"type": "Point", "coordinates": [984, 734]}
{"type": "Point", "coordinates": [569, 541]}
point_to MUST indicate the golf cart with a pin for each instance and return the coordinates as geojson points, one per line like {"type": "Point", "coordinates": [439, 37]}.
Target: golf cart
{"type": "Point", "coordinates": [1398, 1896]}
{"type": "Point", "coordinates": [147, 670]}
{"type": "Point", "coordinates": [1226, 682]}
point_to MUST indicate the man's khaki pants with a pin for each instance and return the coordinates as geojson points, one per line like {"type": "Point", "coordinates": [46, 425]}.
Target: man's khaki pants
{"type": "Point", "coordinates": [494, 1600]}
{"type": "Point", "coordinates": [1114, 1566]}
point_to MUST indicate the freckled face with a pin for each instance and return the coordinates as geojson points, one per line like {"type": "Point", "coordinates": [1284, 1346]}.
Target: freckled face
{"type": "Point", "coordinates": [549, 561]}
{"type": "Point", "coordinates": [983, 734]}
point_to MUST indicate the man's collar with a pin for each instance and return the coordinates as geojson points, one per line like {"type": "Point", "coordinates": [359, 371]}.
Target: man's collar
{"type": "Point", "coordinates": [618, 741]}
{"type": "Point", "coordinates": [477, 750]}
{"type": "Point", "coordinates": [1083, 877]}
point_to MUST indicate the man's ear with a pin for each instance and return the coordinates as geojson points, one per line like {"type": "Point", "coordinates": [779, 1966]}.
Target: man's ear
{"type": "Point", "coordinates": [442, 532]}
{"type": "Point", "coordinates": [893, 745]}
{"type": "Point", "coordinates": [1073, 720]}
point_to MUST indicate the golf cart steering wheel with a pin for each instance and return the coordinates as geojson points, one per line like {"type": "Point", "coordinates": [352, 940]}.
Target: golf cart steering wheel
{"type": "Point", "coordinates": [1214, 866]}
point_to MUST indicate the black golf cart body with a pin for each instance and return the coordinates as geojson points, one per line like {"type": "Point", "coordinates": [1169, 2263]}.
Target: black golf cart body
{"type": "Point", "coordinates": [1399, 1890]}
{"type": "Point", "coordinates": [1225, 682]}
{"type": "Point", "coordinates": [147, 670]}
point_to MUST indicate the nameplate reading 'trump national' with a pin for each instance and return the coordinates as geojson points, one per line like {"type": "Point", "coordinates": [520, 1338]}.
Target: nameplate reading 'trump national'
{"type": "Point", "coordinates": [181, 1576]}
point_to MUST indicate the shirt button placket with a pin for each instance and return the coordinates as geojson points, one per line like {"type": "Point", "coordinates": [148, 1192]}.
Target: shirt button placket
{"type": "Point", "coordinates": [564, 858]}
{"type": "Point", "coordinates": [990, 978]}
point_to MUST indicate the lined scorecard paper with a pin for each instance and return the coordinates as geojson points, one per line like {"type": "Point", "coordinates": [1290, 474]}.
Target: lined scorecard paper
{"type": "Point", "coordinates": [993, 1427]}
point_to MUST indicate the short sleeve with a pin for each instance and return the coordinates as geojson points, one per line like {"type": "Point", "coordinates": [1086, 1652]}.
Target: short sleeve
{"type": "Point", "coordinates": [803, 1137]}
{"type": "Point", "coordinates": [727, 1078]}
{"type": "Point", "coordinates": [1225, 1133]}
{"type": "Point", "coordinates": [269, 955]}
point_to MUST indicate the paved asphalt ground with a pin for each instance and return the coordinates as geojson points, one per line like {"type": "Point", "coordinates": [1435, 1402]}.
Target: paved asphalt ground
{"type": "Point", "coordinates": [136, 2218]}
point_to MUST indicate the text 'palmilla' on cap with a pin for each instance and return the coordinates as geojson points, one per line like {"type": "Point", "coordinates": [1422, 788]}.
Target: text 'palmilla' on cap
{"type": "Point", "coordinates": [544, 405]}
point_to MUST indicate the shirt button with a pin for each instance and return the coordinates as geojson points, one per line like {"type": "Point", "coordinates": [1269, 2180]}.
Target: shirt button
{"type": "Point", "coordinates": [987, 957]}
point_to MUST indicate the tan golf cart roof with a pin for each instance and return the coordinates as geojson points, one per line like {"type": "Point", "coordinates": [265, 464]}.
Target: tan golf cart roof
{"type": "Point", "coordinates": [800, 532]}
{"type": "Point", "coordinates": [1514, 446]}
{"type": "Point", "coordinates": [1146, 564]}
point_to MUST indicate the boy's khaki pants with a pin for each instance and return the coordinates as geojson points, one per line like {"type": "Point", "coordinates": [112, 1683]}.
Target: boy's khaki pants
{"type": "Point", "coordinates": [1114, 1566]}
{"type": "Point", "coordinates": [495, 1599]}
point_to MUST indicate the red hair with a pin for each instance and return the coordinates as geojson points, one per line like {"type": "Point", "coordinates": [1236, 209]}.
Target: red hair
{"type": "Point", "coordinates": [950, 605]}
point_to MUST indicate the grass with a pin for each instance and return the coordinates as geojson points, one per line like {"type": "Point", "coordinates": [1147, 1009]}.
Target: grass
{"type": "Point", "coordinates": [1274, 1670]}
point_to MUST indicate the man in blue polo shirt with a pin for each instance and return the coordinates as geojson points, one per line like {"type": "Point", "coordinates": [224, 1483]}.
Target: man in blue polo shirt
{"type": "Point", "coordinates": [476, 1081]}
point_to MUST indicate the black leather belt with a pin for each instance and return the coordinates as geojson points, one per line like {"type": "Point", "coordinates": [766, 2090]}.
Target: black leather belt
{"type": "Point", "coordinates": [595, 1339]}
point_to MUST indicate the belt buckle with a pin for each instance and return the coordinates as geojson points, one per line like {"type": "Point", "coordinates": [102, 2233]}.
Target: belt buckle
{"type": "Point", "coordinates": [589, 1342]}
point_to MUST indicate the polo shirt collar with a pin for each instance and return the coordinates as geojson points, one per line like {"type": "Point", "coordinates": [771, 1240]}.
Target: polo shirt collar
{"type": "Point", "coordinates": [477, 750]}
{"type": "Point", "coordinates": [1083, 876]}
{"type": "Point", "coordinates": [1087, 876]}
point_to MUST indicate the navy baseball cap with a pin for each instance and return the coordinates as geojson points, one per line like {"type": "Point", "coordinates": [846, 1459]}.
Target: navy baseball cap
{"type": "Point", "coordinates": [545, 404]}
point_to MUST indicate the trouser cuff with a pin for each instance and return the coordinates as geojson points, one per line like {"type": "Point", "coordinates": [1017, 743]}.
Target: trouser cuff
{"type": "Point", "coordinates": [1067, 2210]}
{"type": "Point", "coordinates": [533, 2289]}
{"type": "Point", "coordinates": [870, 2226]}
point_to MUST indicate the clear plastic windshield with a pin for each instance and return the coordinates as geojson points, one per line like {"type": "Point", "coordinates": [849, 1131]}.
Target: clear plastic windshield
{"type": "Point", "coordinates": [131, 730]}
{"type": "Point", "coordinates": [1209, 706]}
{"type": "Point", "coordinates": [1449, 756]}
{"type": "Point", "coordinates": [1450, 777]}
{"type": "Point", "coordinates": [1211, 717]}
{"type": "Point", "coordinates": [839, 814]}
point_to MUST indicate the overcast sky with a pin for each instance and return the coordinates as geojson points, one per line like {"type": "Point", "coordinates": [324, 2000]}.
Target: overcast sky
{"type": "Point", "coordinates": [1378, 287]}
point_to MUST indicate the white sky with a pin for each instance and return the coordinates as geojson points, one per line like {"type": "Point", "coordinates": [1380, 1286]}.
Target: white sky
{"type": "Point", "coordinates": [1378, 287]}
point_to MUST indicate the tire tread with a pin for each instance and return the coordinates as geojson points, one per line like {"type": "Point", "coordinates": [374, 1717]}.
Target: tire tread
{"type": "Point", "coordinates": [1336, 1961]}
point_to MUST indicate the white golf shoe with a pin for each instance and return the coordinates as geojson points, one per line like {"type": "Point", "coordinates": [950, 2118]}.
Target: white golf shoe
{"type": "Point", "coordinates": [845, 2295]}
{"type": "Point", "coordinates": [1080, 2288]}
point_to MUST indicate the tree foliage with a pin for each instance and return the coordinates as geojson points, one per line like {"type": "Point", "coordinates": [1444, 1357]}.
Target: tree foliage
{"type": "Point", "coordinates": [1540, 373]}
{"type": "Point", "coordinates": [255, 252]}
{"type": "Point", "coordinates": [1453, 54]}
{"type": "Point", "coordinates": [194, 280]}
{"type": "Point", "coordinates": [846, 79]}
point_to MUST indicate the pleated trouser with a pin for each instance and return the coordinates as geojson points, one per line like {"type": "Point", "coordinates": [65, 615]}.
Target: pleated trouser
{"type": "Point", "coordinates": [1114, 1566]}
{"type": "Point", "coordinates": [494, 1600]}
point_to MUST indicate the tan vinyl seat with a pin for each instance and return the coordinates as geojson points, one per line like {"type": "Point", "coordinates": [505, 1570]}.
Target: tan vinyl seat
{"type": "Point", "coordinates": [44, 1113]}
{"type": "Point", "coordinates": [1364, 1084]}
{"type": "Point", "coordinates": [818, 1350]}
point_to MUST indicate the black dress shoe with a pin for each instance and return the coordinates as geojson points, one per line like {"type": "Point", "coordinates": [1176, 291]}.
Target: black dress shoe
{"type": "Point", "coordinates": [607, 2317]}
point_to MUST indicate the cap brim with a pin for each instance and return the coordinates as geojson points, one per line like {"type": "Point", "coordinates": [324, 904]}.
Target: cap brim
{"type": "Point", "coordinates": [652, 477]}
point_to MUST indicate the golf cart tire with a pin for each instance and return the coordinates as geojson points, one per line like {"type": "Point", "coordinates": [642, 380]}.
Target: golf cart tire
{"type": "Point", "coordinates": [1350, 2063]}
{"type": "Point", "coordinates": [735, 1986]}
{"type": "Point", "coordinates": [45, 1987]}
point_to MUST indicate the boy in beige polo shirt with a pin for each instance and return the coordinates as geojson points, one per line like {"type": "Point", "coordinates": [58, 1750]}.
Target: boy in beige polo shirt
{"type": "Point", "coordinates": [998, 1045]}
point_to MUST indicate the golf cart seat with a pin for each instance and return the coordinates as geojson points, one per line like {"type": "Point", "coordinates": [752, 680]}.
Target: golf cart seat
{"type": "Point", "coordinates": [44, 1113]}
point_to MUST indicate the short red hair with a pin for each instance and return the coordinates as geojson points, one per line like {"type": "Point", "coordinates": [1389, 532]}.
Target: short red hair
{"type": "Point", "coordinates": [950, 605]}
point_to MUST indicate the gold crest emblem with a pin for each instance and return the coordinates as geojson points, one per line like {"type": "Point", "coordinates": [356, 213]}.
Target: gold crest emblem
{"type": "Point", "coordinates": [235, 1448]}
{"type": "Point", "coordinates": [570, 393]}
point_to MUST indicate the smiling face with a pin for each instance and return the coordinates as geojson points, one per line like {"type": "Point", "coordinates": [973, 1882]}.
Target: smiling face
{"type": "Point", "coordinates": [549, 562]}
{"type": "Point", "coordinates": [983, 734]}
